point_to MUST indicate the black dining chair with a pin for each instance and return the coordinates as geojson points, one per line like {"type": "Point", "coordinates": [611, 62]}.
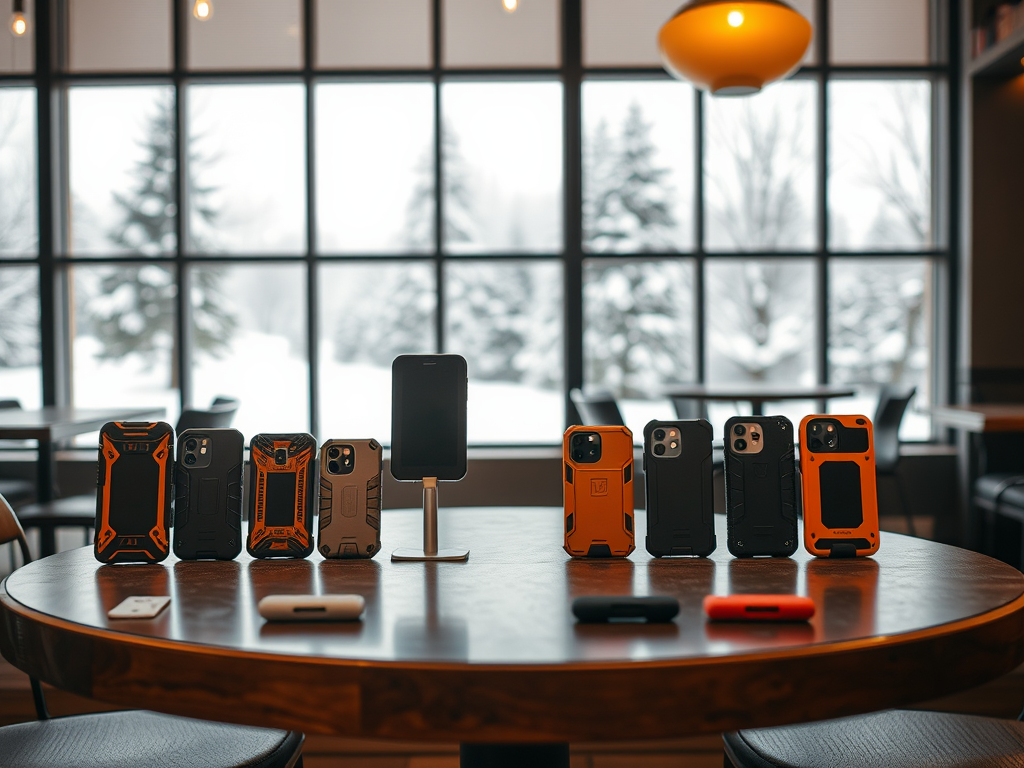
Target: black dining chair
{"type": "Point", "coordinates": [80, 511]}
{"type": "Point", "coordinates": [892, 404]}
{"type": "Point", "coordinates": [597, 408]}
{"type": "Point", "coordinates": [135, 737]}
{"type": "Point", "coordinates": [16, 489]}
{"type": "Point", "coordinates": [904, 738]}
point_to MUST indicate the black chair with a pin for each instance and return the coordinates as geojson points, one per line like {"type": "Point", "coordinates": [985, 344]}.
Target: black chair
{"type": "Point", "coordinates": [908, 739]}
{"type": "Point", "coordinates": [135, 738]}
{"type": "Point", "coordinates": [892, 404]}
{"type": "Point", "coordinates": [597, 409]}
{"type": "Point", "coordinates": [16, 489]}
{"type": "Point", "coordinates": [690, 408]}
{"type": "Point", "coordinates": [80, 511]}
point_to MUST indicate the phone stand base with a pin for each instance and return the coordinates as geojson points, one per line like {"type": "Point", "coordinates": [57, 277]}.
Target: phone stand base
{"type": "Point", "coordinates": [408, 554]}
{"type": "Point", "coordinates": [430, 550]}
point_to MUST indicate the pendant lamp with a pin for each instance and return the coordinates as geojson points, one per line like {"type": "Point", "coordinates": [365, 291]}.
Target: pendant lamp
{"type": "Point", "coordinates": [734, 48]}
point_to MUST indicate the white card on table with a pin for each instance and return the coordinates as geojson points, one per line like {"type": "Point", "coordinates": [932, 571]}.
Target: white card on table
{"type": "Point", "coordinates": [138, 607]}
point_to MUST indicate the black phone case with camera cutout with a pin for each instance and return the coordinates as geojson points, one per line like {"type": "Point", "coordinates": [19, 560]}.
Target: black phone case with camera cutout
{"type": "Point", "coordinates": [208, 500]}
{"type": "Point", "coordinates": [350, 503]}
{"type": "Point", "coordinates": [761, 491]}
{"type": "Point", "coordinates": [680, 492]}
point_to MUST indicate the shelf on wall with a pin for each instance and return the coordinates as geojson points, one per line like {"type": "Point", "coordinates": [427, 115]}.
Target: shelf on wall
{"type": "Point", "coordinates": [1003, 58]}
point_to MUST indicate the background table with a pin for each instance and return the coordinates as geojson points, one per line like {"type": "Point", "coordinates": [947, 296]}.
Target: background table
{"type": "Point", "coordinates": [53, 423]}
{"type": "Point", "coordinates": [981, 417]}
{"type": "Point", "coordinates": [487, 651]}
{"type": "Point", "coordinates": [757, 394]}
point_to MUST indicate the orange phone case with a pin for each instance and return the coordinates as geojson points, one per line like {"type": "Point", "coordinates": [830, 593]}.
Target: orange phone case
{"type": "Point", "coordinates": [272, 534]}
{"type": "Point", "coordinates": [758, 607]}
{"type": "Point", "coordinates": [598, 497]}
{"type": "Point", "coordinates": [831, 483]}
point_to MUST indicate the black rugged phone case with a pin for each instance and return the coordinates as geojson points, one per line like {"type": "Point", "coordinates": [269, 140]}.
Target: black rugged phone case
{"type": "Point", "coordinates": [208, 500]}
{"type": "Point", "coordinates": [680, 495]}
{"type": "Point", "coordinates": [760, 491]}
{"type": "Point", "coordinates": [133, 499]}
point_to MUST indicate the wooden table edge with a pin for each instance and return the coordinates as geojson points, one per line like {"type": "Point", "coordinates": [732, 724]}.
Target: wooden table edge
{"type": "Point", "coordinates": [449, 702]}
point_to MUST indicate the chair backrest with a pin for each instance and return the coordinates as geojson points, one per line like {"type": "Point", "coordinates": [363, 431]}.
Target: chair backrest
{"type": "Point", "coordinates": [11, 530]}
{"type": "Point", "coordinates": [597, 409]}
{"type": "Point", "coordinates": [892, 404]}
{"type": "Point", "coordinates": [10, 403]}
{"type": "Point", "coordinates": [217, 415]}
{"type": "Point", "coordinates": [690, 408]}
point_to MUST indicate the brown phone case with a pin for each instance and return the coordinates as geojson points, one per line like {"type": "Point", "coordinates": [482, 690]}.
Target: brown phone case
{"type": "Point", "coordinates": [598, 497]}
{"type": "Point", "coordinates": [839, 498]}
{"type": "Point", "coordinates": [350, 503]}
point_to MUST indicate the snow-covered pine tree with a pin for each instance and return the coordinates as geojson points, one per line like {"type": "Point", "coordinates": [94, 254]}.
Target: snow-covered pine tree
{"type": "Point", "coordinates": [135, 307]}
{"type": "Point", "coordinates": [639, 324]}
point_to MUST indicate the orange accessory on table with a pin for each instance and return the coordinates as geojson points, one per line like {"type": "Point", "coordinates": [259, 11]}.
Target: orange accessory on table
{"type": "Point", "coordinates": [758, 607]}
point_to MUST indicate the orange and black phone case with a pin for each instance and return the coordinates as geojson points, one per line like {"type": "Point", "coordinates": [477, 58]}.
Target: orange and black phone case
{"type": "Point", "coordinates": [282, 487]}
{"type": "Point", "coordinates": [350, 502]}
{"type": "Point", "coordinates": [598, 496]}
{"type": "Point", "coordinates": [133, 499]}
{"type": "Point", "coordinates": [839, 498]}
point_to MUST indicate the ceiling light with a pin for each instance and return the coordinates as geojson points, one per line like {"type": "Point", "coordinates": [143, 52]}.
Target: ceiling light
{"type": "Point", "coordinates": [18, 24]}
{"type": "Point", "coordinates": [734, 48]}
{"type": "Point", "coordinates": [203, 10]}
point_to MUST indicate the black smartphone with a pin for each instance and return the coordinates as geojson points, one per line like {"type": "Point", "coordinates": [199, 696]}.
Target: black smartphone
{"type": "Point", "coordinates": [428, 417]}
{"type": "Point", "coordinates": [133, 500]}
{"type": "Point", "coordinates": [680, 492]}
{"type": "Point", "coordinates": [760, 486]}
{"type": "Point", "coordinates": [208, 494]}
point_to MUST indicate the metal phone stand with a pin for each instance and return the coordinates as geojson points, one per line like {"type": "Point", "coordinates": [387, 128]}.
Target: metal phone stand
{"type": "Point", "coordinates": [430, 550]}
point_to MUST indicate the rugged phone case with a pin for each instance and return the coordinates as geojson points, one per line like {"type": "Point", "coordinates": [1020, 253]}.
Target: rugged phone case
{"type": "Point", "coordinates": [839, 498]}
{"type": "Point", "coordinates": [208, 500]}
{"type": "Point", "coordinates": [598, 498]}
{"type": "Point", "coordinates": [133, 499]}
{"type": "Point", "coordinates": [761, 492]}
{"type": "Point", "coordinates": [281, 493]}
{"type": "Point", "coordinates": [350, 504]}
{"type": "Point", "coordinates": [680, 495]}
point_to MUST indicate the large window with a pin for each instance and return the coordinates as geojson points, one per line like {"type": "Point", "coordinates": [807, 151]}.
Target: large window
{"type": "Point", "coordinates": [274, 203]}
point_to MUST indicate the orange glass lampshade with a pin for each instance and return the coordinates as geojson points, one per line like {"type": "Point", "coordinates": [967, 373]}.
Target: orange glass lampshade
{"type": "Point", "coordinates": [734, 48]}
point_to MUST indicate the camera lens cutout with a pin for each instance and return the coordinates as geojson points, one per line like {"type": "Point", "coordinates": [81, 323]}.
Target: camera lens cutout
{"type": "Point", "coordinates": [659, 434]}
{"type": "Point", "coordinates": [740, 430]}
{"type": "Point", "coordinates": [815, 429]}
{"type": "Point", "coordinates": [333, 453]}
{"type": "Point", "coordinates": [281, 456]}
{"type": "Point", "coordinates": [740, 445]}
{"type": "Point", "coordinates": [190, 458]}
{"type": "Point", "coordinates": [191, 444]}
{"type": "Point", "coordinates": [659, 449]}
{"type": "Point", "coordinates": [755, 436]}
{"type": "Point", "coordinates": [333, 467]}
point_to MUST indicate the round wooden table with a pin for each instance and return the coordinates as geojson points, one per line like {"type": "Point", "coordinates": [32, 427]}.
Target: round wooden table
{"type": "Point", "coordinates": [488, 650]}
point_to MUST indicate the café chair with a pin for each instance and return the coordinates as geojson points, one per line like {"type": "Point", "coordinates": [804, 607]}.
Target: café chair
{"type": "Point", "coordinates": [136, 738]}
{"type": "Point", "coordinates": [904, 738]}
{"type": "Point", "coordinates": [597, 408]}
{"type": "Point", "coordinates": [690, 408]}
{"type": "Point", "coordinates": [892, 404]}
{"type": "Point", "coordinates": [80, 511]}
{"type": "Point", "coordinates": [17, 490]}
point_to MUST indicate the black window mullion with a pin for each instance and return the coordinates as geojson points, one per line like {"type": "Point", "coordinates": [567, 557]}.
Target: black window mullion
{"type": "Point", "coordinates": [572, 143]}
{"type": "Point", "coordinates": [821, 358]}
{"type": "Point", "coordinates": [439, 314]}
{"type": "Point", "coordinates": [183, 318]}
{"type": "Point", "coordinates": [312, 274]}
{"type": "Point", "coordinates": [700, 330]}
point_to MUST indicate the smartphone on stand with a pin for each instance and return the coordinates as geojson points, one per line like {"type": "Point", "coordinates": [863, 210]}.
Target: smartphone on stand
{"type": "Point", "coordinates": [837, 467]}
{"type": "Point", "coordinates": [598, 491]}
{"type": "Point", "coordinates": [133, 499]}
{"type": "Point", "coordinates": [281, 492]}
{"type": "Point", "coordinates": [760, 486]}
{"type": "Point", "coordinates": [350, 498]}
{"type": "Point", "coordinates": [678, 484]}
{"type": "Point", "coordinates": [208, 494]}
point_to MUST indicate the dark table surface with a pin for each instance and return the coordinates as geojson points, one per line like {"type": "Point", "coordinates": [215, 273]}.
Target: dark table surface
{"type": "Point", "coordinates": [488, 650]}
